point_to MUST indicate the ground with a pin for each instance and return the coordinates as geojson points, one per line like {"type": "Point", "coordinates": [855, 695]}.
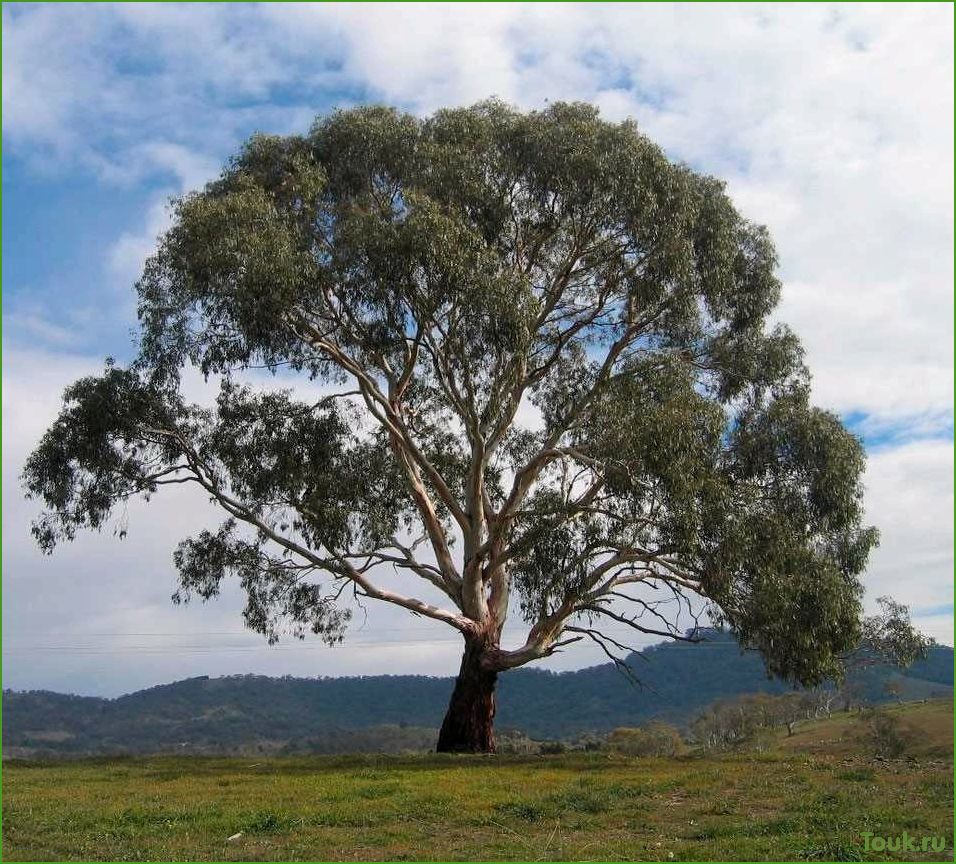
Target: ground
{"type": "Point", "coordinates": [806, 797]}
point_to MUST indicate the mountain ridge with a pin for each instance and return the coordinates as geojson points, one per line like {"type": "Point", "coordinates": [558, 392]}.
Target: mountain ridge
{"type": "Point", "coordinates": [234, 712]}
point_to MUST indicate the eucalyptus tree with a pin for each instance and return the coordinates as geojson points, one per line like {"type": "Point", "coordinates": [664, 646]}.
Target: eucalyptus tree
{"type": "Point", "coordinates": [550, 390]}
{"type": "Point", "coordinates": [888, 639]}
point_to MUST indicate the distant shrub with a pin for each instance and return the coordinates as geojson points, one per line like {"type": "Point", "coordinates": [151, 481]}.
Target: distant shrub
{"type": "Point", "coordinates": [761, 739]}
{"type": "Point", "coordinates": [652, 739]}
{"type": "Point", "coordinates": [517, 743]}
{"type": "Point", "coordinates": [553, 748]}
{"type": "Point", "coordinates": [590, 741]}
{"type": "Point", "coordinates": [887, 738]}
{"type": "Point", "coordinates": [747, 720]}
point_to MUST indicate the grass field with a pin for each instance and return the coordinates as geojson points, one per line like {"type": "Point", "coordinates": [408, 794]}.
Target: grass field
{"type": "Point", "coordinates": [809, 797]}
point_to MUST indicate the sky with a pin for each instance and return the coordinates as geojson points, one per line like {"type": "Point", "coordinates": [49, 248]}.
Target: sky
{"type": "Point", "coordinates": [832, 125]}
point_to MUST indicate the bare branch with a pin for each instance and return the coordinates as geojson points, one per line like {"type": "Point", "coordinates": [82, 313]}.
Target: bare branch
{"type": "Point", "coordinates": [600, 639]}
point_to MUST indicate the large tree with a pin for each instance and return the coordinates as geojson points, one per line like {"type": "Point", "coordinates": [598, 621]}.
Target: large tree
{"type": "Point", "coordinates": [547, 364]}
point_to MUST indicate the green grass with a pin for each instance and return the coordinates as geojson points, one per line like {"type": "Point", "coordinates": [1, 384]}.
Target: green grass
{"type": "Point", "coordinates": [808, 801]}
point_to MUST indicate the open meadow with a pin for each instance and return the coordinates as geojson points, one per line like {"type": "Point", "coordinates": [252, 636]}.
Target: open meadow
{"type": "Point", "coordinates": [806, 797]}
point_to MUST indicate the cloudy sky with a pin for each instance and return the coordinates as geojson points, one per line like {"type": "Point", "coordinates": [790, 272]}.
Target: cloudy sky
{"type": "Point", "coordinates": [833, 125]}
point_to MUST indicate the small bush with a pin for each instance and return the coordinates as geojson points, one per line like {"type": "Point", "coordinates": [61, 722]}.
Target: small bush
{"type": "Point", "coordinates": [652, 739]}
{"type": "Point", "coordinates": [761, 739]}
{"type": "Point", "coordinates": [517, 743]}
{"type": "Point", "coordinates": [885, 735]}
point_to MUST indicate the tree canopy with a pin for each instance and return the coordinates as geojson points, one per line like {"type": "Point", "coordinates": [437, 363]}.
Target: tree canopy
{"type": "Point", "coordinates": [548, 361]}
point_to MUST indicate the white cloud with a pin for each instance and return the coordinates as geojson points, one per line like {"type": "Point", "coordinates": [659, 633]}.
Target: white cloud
{"type": "Point", "coordinates": [910, 499]}
{"type": "Point", "coordinates": [189, 169]}
{"type": "Point", "coordinates": [833, 124]}
{"type": "Point", "coordinates": [32, 324]}
{"type": "Point", "coordinates": [129, 252]}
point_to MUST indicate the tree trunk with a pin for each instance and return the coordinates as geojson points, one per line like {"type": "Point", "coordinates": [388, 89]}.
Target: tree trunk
{"type": "Point", "coordinates": [468, 725]}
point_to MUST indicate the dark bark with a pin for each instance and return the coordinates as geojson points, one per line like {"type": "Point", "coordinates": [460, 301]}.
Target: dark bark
{"type": "Point", "coordinates": [469, 722]}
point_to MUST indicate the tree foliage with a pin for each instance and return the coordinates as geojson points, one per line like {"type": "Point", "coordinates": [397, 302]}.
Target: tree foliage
{"type": "Point", "coordinates": [444, 277]}
{"type": "Point", "coordinates": [890, 638]}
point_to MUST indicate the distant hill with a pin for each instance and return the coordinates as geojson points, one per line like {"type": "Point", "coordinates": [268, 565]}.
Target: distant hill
{"type": "Point", "coordinates": [334, 714]}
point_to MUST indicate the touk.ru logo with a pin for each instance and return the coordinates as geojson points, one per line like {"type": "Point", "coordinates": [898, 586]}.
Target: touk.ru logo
{"type": "Point", "coordinates": [902, 843]}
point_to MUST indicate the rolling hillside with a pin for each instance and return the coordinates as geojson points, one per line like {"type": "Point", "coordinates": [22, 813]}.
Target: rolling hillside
{"type": "Point", "coordinates": [225, 714]}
